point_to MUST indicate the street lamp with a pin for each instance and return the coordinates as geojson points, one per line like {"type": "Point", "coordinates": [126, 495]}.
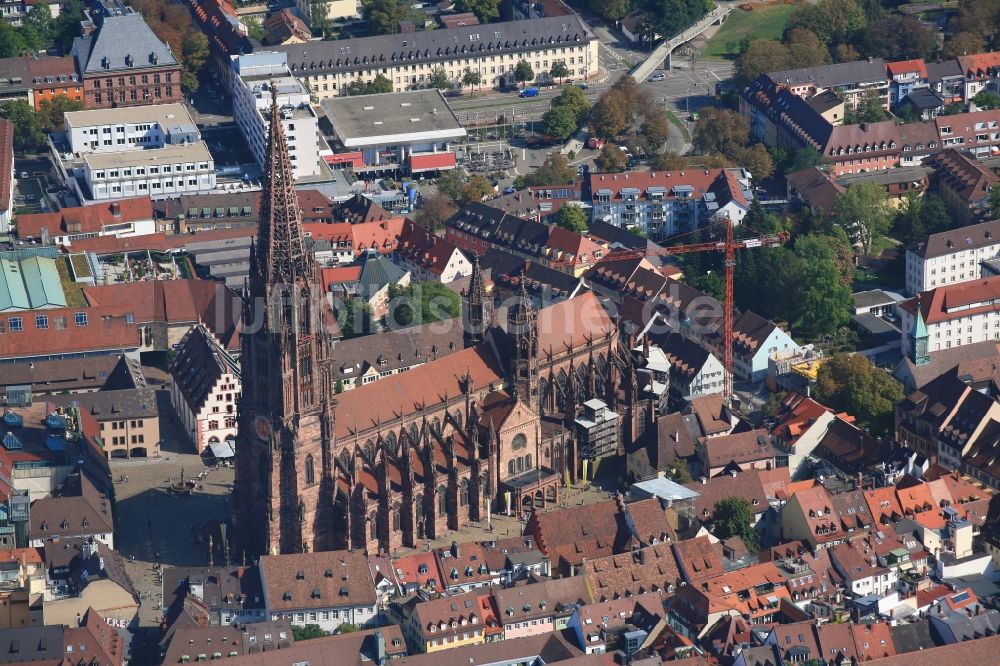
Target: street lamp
{"type": "Point", "coordinates": [687, 101]}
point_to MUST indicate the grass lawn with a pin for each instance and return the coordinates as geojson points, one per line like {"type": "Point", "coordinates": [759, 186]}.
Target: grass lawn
{"type": "Point", "coordinates": [763, 22]}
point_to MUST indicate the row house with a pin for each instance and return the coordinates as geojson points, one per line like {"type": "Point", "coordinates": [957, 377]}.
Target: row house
{"type": "Point", "coordinates": [858, 567]}
{"type": "Point", "coordinates": [539, 203]}
{"type": "Point", "coordinates": [904, 77]}
{"type": "Point", "coordinates": [326, 588]}
{"type": "Point", "coordinates": [478, 228]}
{"type": "Point", "coordinates": [981, 71]}
{"type": "Point", "coordinates": [809, 516]}
{"type": "Point", "coordinates": [539, 608]}
{"type": "Point", "coordinates": [450, 622]}
{"type": "Point", "coordinates": [407, 59]}
{"type": "Point", "coordinates": [977, 132]}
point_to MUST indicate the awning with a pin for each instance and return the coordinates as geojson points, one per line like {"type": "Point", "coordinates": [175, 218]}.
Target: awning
{"type": "Point", "coordinates": [432, 162]}
{"type": "Point", "coordinates": [222, 450]}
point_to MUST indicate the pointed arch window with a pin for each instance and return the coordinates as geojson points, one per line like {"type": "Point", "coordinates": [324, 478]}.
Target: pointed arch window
{"type": "Point", "coordinates": [310, 470]}
{"type": "Point", "coordinates": [442, 501]}
{"type": "Point", "coordinates": [463, 493]}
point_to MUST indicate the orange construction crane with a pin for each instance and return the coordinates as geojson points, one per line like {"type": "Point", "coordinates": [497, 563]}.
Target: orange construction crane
{"type": "Point", "coordinates": [729, 247]}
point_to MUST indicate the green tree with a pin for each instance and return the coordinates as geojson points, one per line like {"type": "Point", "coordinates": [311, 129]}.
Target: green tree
{"type": "Point", "coordinates": [194, 49]}
{"type": "Point", "coordinates": [869, 110]}
{"type": "Point", "coordinates": [436, 209]}
{"type": "Point", "coordinates": [28, 134]}
{"type": "Point", "coordinates": [559, 70]}
{"type": "Point", "coordinates": [523, 72]}
{"type": "Point", "coordinates": [477, 189]}
{"type": "Point", "coordinates": [832, 21]}
{"type": "Point", "coordinates": [851, 384]}
{"type": "Point", "coordinates": [734, 517]}
{"type": "Point", "coordinates": [668, 160]}
{"type": "Point", "coordinates": [864, 212]}
{"type": "Point", "coordinates": [611, 115]}
{"type": "Point", "coordinates": [422, 303]}
{"type": "Point", "coordinates": [995, 201]}
{"type": "Point", "coordinates": [556, 170]}
{"type": "Point", "coordinates": [559, 123]}
{"type": "Point", "coordinates": [67, 26]}
{"type": "Point", "coordinates": [255, 30]}
{"type": "Point", "coordinates": [761, 56]}
{"type": "Point", "coordinates": [451, 184]}
{"type": "Point", "coordinates": [380, 84]}
{"type": "Point", "coordinates": [319, 19]}
{"type": "Point", "coordinates": [573, 218]}
{"type": "Point", "coordinates": [12, 41]}
{"type": "Point", "coordinates": [307, 632]}
{"type": "Point", "coordinates": [720, 131]}
{"type": "Point", "coordinates": [920, 216]}
{"type": "Point", "coordinates": [612, 10]}
{"type": "Point", "coordinates": [574, 99]}
{"type": "Point", "coordinates": [611, 158]}
{"type": "Point", "coordinates": [987, 99]}
{"type": "Point", "coordinates": [898, 38]}
{"type": "Point", "coordinates": [38, 27]}
{"type": "Point", "coordinates": [355, 318]}
{"type": "Point", "coordinates": [52, 112]}
{"type": "Point", "coordinates": [803, 158]}
{"type": "Point", "coordinates": [655, 130]}
{"type": "Point", "coordinates": [439, 79]}
{"type": "Point", "coordinates": [487, 11]}
{"type": "Point", "coordinates": [347, 628]}
{"type": "Point", "coordinates": [383, 16]}
{"type": "Point", "coordinates": [471, 77]}
{"type": "Point", "coordinates": [820, 303]}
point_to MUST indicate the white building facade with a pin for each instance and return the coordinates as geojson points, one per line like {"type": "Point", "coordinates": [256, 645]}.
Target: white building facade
{"type": "Point", "coordinates": [254, 75]}
{"type": "Point", "coordinates": [952, 256]}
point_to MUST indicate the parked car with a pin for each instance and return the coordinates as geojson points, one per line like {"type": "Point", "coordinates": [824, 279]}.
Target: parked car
{"type": "Point", "coordinates": [657, 77]}
{"type": "Point", "coordinates": [595, 143]}
{"type": "Point", "coordinates": [529, 92]}
{"type": "Point", "coordinates": [509, 189]}
{"type": "Point", "coordinates": [582, 86]}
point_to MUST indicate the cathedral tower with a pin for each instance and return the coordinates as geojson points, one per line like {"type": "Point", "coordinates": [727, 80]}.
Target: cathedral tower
{"type": "Point", "coordinates": [477, 309]}
{"type": "Point", "coordinates": [283, 456]}
{"type": "Point", "coordinates": [522, 329]}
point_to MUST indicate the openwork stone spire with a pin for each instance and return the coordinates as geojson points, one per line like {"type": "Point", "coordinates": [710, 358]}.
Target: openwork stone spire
{"type": "Point", "coordinates": [281, 250]}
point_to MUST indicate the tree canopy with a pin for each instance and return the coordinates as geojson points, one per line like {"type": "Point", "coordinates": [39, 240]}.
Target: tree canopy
{"type": "Point", "coordinates": [421, 303]}
{"type": "Point", "coordinates": [850, 383]}
{"type": "Point", "coordinates": [380, 84]}
{"type": "Point", "coordinates": [611, 158]}
{"type": "Point", "coordinates": [556, 170]}
{"type": "Point", "coordinates": [573, 218]}
{"type": "Point", "coordinates": [523, 71]}
{"type": "Point", "coordinates": [486, 11]}
{"type": "Point", "coordinates": [734, 517]}
{"type": "Point", "coordinates": [864, 213]}
{"type": "Point", "coordinates": [383, 16]}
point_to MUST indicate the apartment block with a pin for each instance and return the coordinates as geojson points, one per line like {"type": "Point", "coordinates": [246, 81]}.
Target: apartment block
{"type": "Point", "coordinates": [951, 256]}
{"type": "Point", "coordinates": [256, 76]}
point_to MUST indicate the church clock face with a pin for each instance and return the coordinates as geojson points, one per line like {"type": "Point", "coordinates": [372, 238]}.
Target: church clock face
{"type": "Point", "coordinates": [262, 427]}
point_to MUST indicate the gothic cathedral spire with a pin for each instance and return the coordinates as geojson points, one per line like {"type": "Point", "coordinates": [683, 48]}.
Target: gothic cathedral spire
{"type": "Point", "coordinates": [285, 414]}
{"type": "Point", "coordinates": [281, 255]}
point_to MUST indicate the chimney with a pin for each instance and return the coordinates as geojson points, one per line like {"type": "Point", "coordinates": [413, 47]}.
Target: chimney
{"type": "Point", "coordinates": [379, 648]}
{"type": "Point", "coordinates": [455, 550]}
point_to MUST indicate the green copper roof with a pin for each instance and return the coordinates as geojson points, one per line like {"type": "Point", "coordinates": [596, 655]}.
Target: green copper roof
{"type": "Point", "coordinates": [919, 327]}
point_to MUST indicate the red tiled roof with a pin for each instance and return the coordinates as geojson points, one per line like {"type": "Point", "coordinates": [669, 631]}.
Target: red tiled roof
{"type": "Point", "coordinates": [106, 330]}
{"type": "Point", "coordinates": [934, 304]}
{"type": "Point", "coordinates": [173, 302]}
{"type": "Point", "coordinates": [431, 161]}
{"type": "Point", "coordinates": [700, 179]}
{"type": "Point", "coordinates": [332, 276]}
{"type": "Point", "coordinates": [904, 66]}
{"type": "Point", "coordinates": [572, 323]}
{"type": "Point", "coordinates": [6, 162]}
{"type": "Point", "coordinates": [85, 219]}
{"type": "Point", "coordinates": [978, 65]}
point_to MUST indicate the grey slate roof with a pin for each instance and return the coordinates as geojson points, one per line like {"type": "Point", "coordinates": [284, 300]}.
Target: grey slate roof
{"type": "Point", "coordinates": [948, 68]}
{"type": "Point", "coordinates": [394, 349]}
{"type": "Point", "coordinates": [139, 403]}
{"type": "Point", "coordinates": [377, 271]}
{"type": "Point", "coordinates": [912, 637]}
{"type": "Point", "coordinates": [924, 98]}
{"type": "Point", "coordinates": [364, 53]}
{"type": "Point", "coordinates": [972, 237]}
{"type": "Point", "coordinates": [31, 644]}
{"type": "Point", "coordinates": [118, 41]}
{"type": "Point", "coordinates": [826, 76]}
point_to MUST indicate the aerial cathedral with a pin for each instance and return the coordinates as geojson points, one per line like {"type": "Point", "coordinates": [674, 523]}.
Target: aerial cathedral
{"type": "Point", "coordinates": [410, 457]}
